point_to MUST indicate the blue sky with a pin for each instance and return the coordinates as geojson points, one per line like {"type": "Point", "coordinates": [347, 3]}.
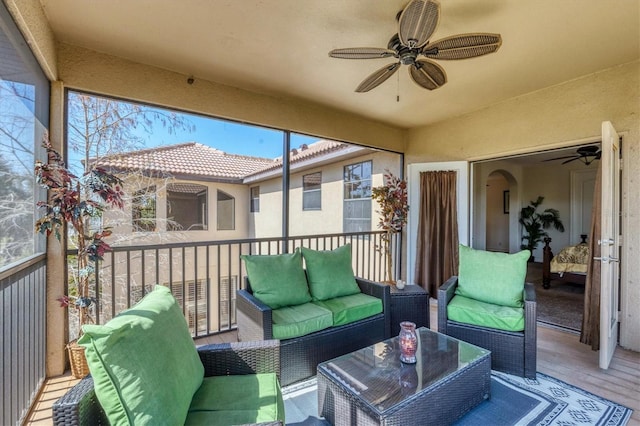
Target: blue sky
{"type": "Point", "coordinates": [230, 137]}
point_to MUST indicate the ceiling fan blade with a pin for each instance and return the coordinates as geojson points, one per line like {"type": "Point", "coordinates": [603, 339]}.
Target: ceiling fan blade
{"type": "Point", "coordinates": [378, 77]}
{"type": "Point", "coordinates": [561, 158]}
{"type": "Point", "coordinates": [428, 74]}
{"type": "Point", "coordinates": [361, 53]}
{"type": "Point", "coordinates": [463, 46]}
{"type": "Point", "coordinates": [573, 159]}
{"type": "Point", "coordinates": [417, 22]}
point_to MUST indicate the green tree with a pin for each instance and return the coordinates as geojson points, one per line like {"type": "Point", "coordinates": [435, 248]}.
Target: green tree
{"type": "Point", "coordinates": [536, 223]}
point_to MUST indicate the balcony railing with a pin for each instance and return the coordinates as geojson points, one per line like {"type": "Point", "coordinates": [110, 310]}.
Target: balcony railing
{"type": "Point", "coordinates": [23, 314]}
{"type": "Point", "coordinates": [204, 276]}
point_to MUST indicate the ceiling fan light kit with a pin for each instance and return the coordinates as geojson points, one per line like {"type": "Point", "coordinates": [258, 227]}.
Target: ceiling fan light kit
{"type": "Point", "coordinates": [416, 24]}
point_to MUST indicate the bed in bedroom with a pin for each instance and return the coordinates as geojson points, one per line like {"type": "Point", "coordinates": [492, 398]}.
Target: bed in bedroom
{"type": "Point", "coordinates": [569, 265]}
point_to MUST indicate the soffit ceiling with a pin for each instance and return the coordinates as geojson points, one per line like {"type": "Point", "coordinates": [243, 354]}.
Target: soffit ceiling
{"type": "Point", "coordinates": [280, 47]}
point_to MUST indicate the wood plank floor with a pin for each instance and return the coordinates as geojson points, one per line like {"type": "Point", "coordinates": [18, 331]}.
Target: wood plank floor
{"type": "Point", "coordinates": [560, 354]}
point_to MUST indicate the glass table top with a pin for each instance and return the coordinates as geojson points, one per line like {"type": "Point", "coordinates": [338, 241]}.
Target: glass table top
{"type": "Point", "coordinates": [377, 376]}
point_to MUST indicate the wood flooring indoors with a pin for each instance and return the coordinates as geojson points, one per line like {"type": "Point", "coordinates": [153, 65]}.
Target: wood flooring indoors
{"type": "Point", "coordinates": [560, 354]}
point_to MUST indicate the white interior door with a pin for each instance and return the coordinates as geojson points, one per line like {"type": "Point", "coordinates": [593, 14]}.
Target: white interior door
{"type": "Point", "coordinates": [583, 183]}
{"type": "Point", "coordinates": [413, 189]}
{"type": "Point", "coordinates": [609, 243]}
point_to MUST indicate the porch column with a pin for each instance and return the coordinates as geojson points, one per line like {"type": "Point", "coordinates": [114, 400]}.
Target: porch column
{"type": "Point", "coordinates": [57, 323]}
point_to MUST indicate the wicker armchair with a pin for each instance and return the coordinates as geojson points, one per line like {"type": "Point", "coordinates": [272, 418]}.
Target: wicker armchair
{"type": "Point", "coordinates": [511, 352]}
{"type": "Point", "coordinates": [79, 406]}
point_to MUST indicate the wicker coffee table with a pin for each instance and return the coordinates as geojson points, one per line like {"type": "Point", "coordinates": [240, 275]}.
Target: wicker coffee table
{"type": "Point", "coordinates": [372, 387]}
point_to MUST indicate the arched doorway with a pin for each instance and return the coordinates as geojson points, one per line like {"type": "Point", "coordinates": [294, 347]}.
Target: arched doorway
{"type": "Point", "coordinates": [500, 211]}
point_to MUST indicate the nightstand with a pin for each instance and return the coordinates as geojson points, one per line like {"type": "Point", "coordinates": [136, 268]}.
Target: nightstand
{"type": "Point", "coordinates": [409, 304]}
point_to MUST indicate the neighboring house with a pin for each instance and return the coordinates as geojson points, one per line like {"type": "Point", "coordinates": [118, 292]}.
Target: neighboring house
{"type": "Point", "coordinates": [212, 195]}
{"type": "Point", "coordinates": [190, 192]}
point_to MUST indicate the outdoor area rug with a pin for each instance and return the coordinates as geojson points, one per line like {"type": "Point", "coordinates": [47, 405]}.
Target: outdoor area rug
{"type": "Point", "coordinates": [514, 401]}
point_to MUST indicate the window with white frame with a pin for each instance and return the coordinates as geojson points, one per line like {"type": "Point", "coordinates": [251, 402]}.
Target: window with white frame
{"type": "Point", "coordinates": [143, 210]}
{"type": "Point", "coordinates": [255, 199]}
{"type": "Point", "coordinates": [226, 211]}
{"type": "Point", "coordinates": [312, 191]}
{"type": "Point", "coordinates": [356, 213]}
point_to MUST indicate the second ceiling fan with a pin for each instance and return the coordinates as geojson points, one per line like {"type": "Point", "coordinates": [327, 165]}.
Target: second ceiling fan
{"type": "Point", "coordinates": [416, 23]}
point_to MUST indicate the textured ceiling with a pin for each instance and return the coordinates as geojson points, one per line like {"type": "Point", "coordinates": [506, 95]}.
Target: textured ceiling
{"type": "Point", "coordinates": [280, 47]}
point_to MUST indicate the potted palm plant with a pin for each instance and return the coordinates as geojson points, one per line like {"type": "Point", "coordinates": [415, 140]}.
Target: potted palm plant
{"type": "Point", "coordinates": [74, 201]}
{"type": "Point", "coordinates": [394, 210]}
{"type": "Point", "coordinates": [536, 223]}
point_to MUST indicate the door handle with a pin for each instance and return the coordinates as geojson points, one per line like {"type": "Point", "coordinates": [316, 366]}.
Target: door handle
{"type": "Point", "coordinates": [607, 259]}
{"type": "Point", "coordinates": [608, 242]}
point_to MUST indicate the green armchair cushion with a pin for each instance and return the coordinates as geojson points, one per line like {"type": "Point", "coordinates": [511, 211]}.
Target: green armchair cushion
{"type": "Point", "coordinates": [330, 273]}
{"type": "Point", "coordinates": [471, 311]}
{"type": "Point", "coordinates": [278, 280]}
{"type": "Point", "coordinates": [237, 400]}
{"type": "Point", "coordinates": [491, 277]}
{"type": "Point", "coordinates": [348, 309]}
{"type": "Point", "coordinates": [299, 320]}
{"type": "Point", "coordinates": [144, 363]}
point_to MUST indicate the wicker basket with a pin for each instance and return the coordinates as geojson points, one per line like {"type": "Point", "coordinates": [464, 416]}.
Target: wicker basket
{"type": "Point", "coordinates": [79, 367]}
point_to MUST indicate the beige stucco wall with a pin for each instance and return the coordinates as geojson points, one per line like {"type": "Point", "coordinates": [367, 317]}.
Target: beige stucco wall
{"type": "Point", "coordinates": [559, 115]}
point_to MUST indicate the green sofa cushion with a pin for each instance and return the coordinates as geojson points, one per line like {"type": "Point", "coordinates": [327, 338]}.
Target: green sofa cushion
{"type": "Point", "coordinates": [144, 363]}
{"type": "Point", "coordinates": [237, 400]}
{"type": "Point", "coordinates": [299, 320]}
{"type": "Point", "coordinates": [278, 280]}
{"type": "Point", "coordinates": [330, 273]}
{"type": "Point", "coordinates": [490, 277]}
{"type": "Point", "coordinates": [348, 309]}
{"type": "Point", "coordinates": [470, 311]}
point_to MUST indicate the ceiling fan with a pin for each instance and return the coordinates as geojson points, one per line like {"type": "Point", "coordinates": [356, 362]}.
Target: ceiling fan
{"type": "Point", "coordinates": [416, 23]}
{"type": "Point", "coordinates": [586, 154]}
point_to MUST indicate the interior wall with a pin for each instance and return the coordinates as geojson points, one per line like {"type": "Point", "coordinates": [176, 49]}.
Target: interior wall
{"type": "Point", "coordinates": [558, 116]}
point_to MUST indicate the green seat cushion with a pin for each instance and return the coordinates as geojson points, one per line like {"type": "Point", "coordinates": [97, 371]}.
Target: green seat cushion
{"type": "Point", "coordinates": [470, 311]}
{"type": "Point", "coordinates": [490, 277]}
{"type": "Point", "coordinates": [144, 363]}
{"type": "Point", "coordinates": [330, 273]}
{"type": "Point", "coordinates": [347, 309]}
{"type": "Point", "coordinates": [237, 400]}
{"type": "Point", "coordinates": [278, 280]}
{"type": "Point", "coordinates": [299, 320]}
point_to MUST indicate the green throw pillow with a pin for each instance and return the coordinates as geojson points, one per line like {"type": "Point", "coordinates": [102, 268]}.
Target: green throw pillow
{"type": "Point", "coordinates": [491, 277]}
{"type": "Point", "coordinates": [144, 363]}
{"type": "Point", "coordinates": [278, 280]}
{"type": "Point", "coordinates": [330, 273]}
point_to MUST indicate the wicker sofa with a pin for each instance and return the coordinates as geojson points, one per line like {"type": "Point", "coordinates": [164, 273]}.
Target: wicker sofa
{"type": "Point", "coordinates": [300, 356]}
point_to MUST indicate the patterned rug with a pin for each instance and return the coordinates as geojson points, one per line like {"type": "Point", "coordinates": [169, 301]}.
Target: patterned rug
{"type": "Point", "coordinates": [514, 401]}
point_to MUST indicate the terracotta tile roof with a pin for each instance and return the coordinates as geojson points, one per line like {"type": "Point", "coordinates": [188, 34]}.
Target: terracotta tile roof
{"type": "Point", "coordinates": [309, 152]}
{"type": "Point", "coordinates": [187, 159]}
{"type": "Point", "coordinates": [202, 162]}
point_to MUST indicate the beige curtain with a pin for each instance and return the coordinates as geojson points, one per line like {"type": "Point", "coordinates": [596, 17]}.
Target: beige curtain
{"type": "Point", "coordinates": [437, 247]}
{"type": "Point", "coordinates": [590, 333]}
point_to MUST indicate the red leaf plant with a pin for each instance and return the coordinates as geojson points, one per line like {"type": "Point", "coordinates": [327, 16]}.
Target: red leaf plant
{"type": "Point", "coordinates": [394, 210]}
{"type": "Point", "coordinates": [74, 201]}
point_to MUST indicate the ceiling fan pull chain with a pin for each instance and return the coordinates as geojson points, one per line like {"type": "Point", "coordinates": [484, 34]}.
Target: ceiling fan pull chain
{"type": "Point", "coordinates": [398, 88]}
